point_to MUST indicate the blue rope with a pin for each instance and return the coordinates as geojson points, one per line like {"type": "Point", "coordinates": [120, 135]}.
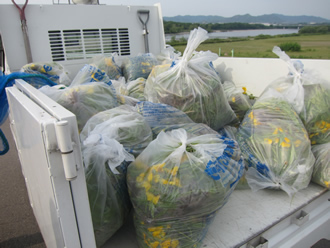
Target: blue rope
{"type": "Point", "coordinates": [4, 143]}
{"type": "Point", "coordinates": [37, 80]}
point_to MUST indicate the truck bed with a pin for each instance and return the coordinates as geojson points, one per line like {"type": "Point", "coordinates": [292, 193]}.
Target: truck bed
{"type": "Point", "coordinates": [265, 217]}
{"type": "Point", "coordinates": [232, 227]}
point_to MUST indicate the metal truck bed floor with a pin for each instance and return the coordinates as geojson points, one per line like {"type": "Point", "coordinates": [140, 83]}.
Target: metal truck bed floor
{"type": "Point", "coordinates": [254, 218]}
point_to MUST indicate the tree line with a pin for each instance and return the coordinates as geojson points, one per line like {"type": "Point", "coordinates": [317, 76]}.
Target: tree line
{"type": "Point", "coordinates": [171, 27]}
{"type": "Point", "coordinates": [320, 29]}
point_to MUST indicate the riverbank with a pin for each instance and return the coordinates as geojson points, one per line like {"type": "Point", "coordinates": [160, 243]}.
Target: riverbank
{"type": "Point", "coordinates": [235, 33]}
{"type": "Point", "coordinates": [312, 46]}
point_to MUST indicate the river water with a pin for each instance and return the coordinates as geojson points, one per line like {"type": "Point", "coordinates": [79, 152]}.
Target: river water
{"type": "Point", "coordinates": [237, 33]}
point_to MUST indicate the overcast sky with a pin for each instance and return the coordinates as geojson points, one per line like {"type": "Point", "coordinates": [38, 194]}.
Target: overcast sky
{"type": "Point", "coordinates": [225, 8]}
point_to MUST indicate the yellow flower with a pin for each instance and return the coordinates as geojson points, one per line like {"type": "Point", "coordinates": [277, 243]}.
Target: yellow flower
{"type": "Point", "coordinates": [164, 181]}
{"type": "Point", "coordinates": [174, 170]}
{"type": "Point", "coordinates": [145, 238]}
{"type": "Point", "coordinates": [154, 228]}
{"type": "Point", "coordinates": [158, 167]}
{"type": "Point", "coordinates": [166, 244]}
{"type": "Point", "coordinates": [152, 198]}
{"type": "Point", "coordinates": [276, 140]}
{"type": "Point", "coordinates": [278, 129]}
{"type": "Point", "coordinates": [233, 99]}
{"type": "Point", "coordinates": [154, 244]}
{"type": "Point", "coordinates": [323, 125]}
{"type": "Point", "coordinates": [146, 185]}
{"type": "Point", "coordinates": [150, 176]}
{"type": "Point", "coordinates": [171, 183]}
{"type": "Point", "coordinates": [256, 122]}
{"type": "Point", "coordinates": [157, 232]}
{"type": "Point", "coordinates": [43, 70]}
{"type": "Point", "coordinates": [244, 90]}
{"type": "Point", "coordinates": [269, 141]}
{"type": "Point", "coordinates": [327, 184]}
{"type": "Point", "coordinates": [284, 144]}
{"type": "Point", "coordinates": [287, 140]}
{"type": "Point", "coordinates": [297, 143]}
{"type": "Point", "coordinates": [313, 134]}
{"type": "Point", "coordinates": [140, 178]}
{"type": "Point", "coordinates": [251, 115]}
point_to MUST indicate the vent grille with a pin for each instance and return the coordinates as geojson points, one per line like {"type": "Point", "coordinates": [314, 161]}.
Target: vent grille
{"type": "Point", "coordinates": [86, 43]}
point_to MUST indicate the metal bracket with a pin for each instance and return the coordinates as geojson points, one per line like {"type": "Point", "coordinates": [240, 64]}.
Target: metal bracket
{"type": "Point", "coordinates": [258, 242]}
{"type": "Point", "coordinates": [300, 218]}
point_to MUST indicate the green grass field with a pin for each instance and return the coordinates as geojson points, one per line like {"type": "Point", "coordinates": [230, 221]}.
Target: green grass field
{"type": "Point", "coordinates": [312, 47]}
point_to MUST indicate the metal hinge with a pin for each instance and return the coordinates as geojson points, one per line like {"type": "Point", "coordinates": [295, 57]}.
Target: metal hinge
{"type": "Point", "coordinates": [65, 146]}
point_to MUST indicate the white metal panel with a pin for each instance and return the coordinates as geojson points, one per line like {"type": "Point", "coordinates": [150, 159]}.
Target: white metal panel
{"type": "Point", "coordinates": [248, 216]}
{"type": "Point", "coordinates": [257, 73]}
{"type": "Point", "coordinates": [61, 207]}
{"type": "Point", "coordinates": [44, 18]}
{"type": "Point", "coordinates": [305, 227]}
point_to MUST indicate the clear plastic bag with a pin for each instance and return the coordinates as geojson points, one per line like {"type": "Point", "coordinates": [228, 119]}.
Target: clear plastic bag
{"type": "Point", "coordinates": [316, 115]}
{"type": "Point", "coordinates": [192, 85]}
{"type": "Point", "coordinates": [131, 90]}
{"type": "Point", "coordinates": [309, 95]}
{"type": "Point", "coordinates": [291, 85]}
{"type": "Point", "coordinates": [239, 102]}
{"type": "Point", "coordinates": [53, 70]}
{"type": "Point", "coordinates": [228, 132]}
{"type": "Point", "coordinates": [321, 172]}
{"type": "Point", "coordinates": [163, 117]}
{"type": "Point", "coordinates": [108, 64]}
{"type": "Point", "coordinates": [135, 89]}
{"type": "Point", "coordinates": [178, 183]}
{"type": "Point", "coordinates": [84, 100]}
{"type": "Point", "coordinates": [168, 55]}
{"type": "Point", "coordinates": [275, 145]}
{"type": "Point", "coordinates": [121, 123]}
{"type": "Point", "coordinates": [90, 74]}
{"type": "Point", "coordinates": [138, 66]}
{"type": "Point", "coordinates": [106, 162]}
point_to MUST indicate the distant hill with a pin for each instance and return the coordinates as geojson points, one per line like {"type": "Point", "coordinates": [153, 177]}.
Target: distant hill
{"type": "Point", "coordinates": [272, 19]}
